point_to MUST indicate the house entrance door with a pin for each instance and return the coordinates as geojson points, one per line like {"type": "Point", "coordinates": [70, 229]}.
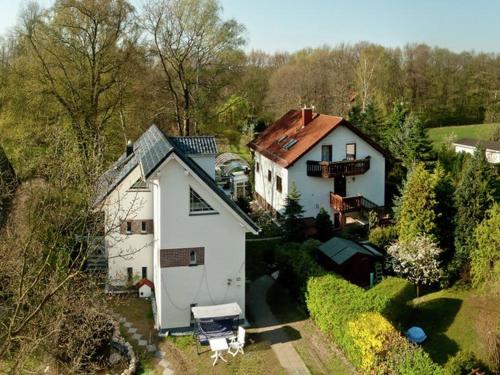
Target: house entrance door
{"type": "Point", "coordinates": [339, 186]}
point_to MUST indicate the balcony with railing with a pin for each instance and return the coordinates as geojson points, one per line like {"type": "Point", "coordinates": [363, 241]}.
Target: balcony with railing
{"type": "Point", "coordinates": [329, 169]}
{"type": "Point", "coordinates": [352, 204]}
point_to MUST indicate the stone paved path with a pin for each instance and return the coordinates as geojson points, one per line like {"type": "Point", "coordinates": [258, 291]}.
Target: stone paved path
{"type": "Point", "coordinates": [150, 348]}
{"type": "Point", "coordinates": [270, 328]}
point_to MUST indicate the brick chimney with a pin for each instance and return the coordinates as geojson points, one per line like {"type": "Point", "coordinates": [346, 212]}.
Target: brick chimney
{"type": "Point", "coordinates": [307, 115]}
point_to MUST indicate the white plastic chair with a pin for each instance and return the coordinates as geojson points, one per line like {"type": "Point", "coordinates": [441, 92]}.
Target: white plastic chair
{"type": "Point", "coordinates": [237, 343]}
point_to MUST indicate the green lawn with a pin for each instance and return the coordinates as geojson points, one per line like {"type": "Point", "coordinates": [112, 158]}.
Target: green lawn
{"type": "Point", "coordinates": [258, 358]}
{"type": "Point", "coordinates": [479, 131]}
{"type": "Point", "coordinates": [455, 320]}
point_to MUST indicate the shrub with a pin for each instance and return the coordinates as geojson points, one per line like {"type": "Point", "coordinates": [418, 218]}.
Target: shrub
{"type": "Point", "coordinates": [370, 333]}
{"type": "Point", "coordinates": [351, 316]}
{"type": "Point", "coordinates": [383, 236]}
{"type": "Point", "coordinates": [324, 225]}
{"type": "Point", "coordinates": [462, 363]}
{"type": "Point", "coordinates": [398, 292]}
{"type": "Point", "coordinates": [297, 265]}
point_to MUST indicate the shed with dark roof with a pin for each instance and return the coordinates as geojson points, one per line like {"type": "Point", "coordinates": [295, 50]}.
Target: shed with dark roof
{"type": "Point", "coordinates": [355, 261]}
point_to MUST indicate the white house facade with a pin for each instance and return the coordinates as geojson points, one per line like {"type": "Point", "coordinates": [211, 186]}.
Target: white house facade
{"type": "Point", "coordinates": [332, 164]}
{"type": "Point", "coordinates": [168, 222]}
{"type": "Point", "coordinates": [469, 146]}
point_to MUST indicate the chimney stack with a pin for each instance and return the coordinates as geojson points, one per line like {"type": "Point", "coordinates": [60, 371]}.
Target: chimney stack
{"type": "Point", "coordinates": [307, 115]}
{"type": "Point", "coordinates": [130, 148]}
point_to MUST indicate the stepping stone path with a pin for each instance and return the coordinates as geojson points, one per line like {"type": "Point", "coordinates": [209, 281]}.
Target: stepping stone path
{"type": "Point", "coordinates": [150, 348]}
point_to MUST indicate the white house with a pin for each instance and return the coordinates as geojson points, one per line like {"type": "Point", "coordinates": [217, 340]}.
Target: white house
{"type": "Point", "coordinates": [468, 145]}
{"type": "Point", "coordinates": [331, 162]}
{"type": "Point", "coordinates": [167, 221]}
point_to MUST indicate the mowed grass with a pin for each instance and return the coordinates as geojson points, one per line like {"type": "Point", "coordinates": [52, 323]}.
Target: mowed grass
{"type": "Point", "coordinates": [259, 359]}
{"type": "Point", "coordinates": [478, 131]}
{"type": "Point", "coordinates": [455, 320]}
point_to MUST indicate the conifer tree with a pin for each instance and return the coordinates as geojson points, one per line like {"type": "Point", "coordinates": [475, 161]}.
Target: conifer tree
{"type": "Point", "coordinates": [485, 256]}
{"type": "Point", "coordinates": [324, 225]}
{"type": "Point", "coordinates": [293, 228]}
{"type": "Point", "coordinates": [416, 211]}
{"type": "Point", "coordinates": [408, 140]}
{"type": "Point", "coordinates": [473, 197]}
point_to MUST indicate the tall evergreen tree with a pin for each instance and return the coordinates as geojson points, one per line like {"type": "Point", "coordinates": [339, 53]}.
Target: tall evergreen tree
{"type": "Point", "coordinates": [324, 225]}
{"type": "Point", "coordinates": [473, 197]}
{"type": "Point", "coordinates": [408, 141]}
{"type": "Point", "coordinates": [292, 224]}
{"type": "Point", "coordinates": [416, 210]}
{"type": "Point", "coordinates": [485, 256]}
{"type": "Point", "coordinates": [445, 211]}
{"type": "Point", "coordinates": [368, 120]}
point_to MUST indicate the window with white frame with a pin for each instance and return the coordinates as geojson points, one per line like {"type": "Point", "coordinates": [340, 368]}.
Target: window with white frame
{"type": "Point", "coordinates": [350, 151]}
{"type": "Point", "coordinates": [129, 227]}
{"type": "Point", "coordinates": [144, 226]}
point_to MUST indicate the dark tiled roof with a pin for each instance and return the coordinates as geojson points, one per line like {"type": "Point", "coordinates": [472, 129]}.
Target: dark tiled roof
{"type": "Point", "coordinates": [151, 149]}
{"type": "Point", "coordinates": [205, 145]}
{"type": "Point", "coordinates": [491, 145]}
{"type": "Point", "coordinates": [272, 142]}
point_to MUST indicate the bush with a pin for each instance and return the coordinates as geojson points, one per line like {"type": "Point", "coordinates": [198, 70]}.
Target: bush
{"type": "Point", "coordinates": [383, 236]}
{"type": "Point", "coordinates": [352, 317]}
{"type": "Point", "coordinates": [324, 225]}
{"type": "Point", "coordinates": [399, 292]}
{"type": "Point", "coordinates": [297, 265]}
{"type": "Point", "coordinates": [462, 363]}
{"type": "Point", "coordinates": [370, 333]}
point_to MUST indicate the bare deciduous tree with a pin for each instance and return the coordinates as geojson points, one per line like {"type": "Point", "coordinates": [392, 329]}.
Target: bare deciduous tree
{"type": "Point", "coordinates": [193, 45]}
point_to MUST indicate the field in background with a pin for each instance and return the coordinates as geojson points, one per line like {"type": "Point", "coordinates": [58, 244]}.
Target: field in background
{"type": "Point", "coordinates": [478, 131]}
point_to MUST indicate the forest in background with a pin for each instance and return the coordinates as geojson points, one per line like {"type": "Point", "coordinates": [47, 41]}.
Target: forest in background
{"type": "Point", "coordinates": [78, 79]}
{"type": "Point", "coordinates": [107, 69]}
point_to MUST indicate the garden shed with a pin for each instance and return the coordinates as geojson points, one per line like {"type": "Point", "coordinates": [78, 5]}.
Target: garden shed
{"type": "Point", "coordinates": [357, 262]}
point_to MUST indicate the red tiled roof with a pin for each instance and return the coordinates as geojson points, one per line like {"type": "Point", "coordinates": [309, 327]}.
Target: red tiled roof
{"type": "Point", "coordinates": [307, 137]}
{"type": "Point", "coordinates": [145, 282]}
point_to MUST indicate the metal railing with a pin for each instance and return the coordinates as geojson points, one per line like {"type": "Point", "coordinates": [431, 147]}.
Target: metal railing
{"type": "Point", "coordinates": [327, 169]}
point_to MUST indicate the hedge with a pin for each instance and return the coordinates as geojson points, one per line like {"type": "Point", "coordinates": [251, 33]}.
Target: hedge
{"type": "Point", "coordinates": [352, 318]}
{"type": "Point", "coordinates": [297, 265]}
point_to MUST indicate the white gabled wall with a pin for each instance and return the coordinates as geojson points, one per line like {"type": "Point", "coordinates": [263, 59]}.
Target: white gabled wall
{"type": "Point", "coordinates": [267, 189]}
{"type": "Point", "coordinates": [222, 235]}
{"type": "Point", "coordinates": [315, 191]}
{"type": "Point", "coordinates": [128, 250]}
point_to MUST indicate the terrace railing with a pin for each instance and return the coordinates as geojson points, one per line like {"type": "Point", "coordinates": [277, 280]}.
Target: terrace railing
{"type": "Point", "coordinates": [327, 169]}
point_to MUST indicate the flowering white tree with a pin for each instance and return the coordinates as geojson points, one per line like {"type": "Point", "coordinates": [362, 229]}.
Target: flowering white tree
{"type": "Point", "coordinates": [416, 260]}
